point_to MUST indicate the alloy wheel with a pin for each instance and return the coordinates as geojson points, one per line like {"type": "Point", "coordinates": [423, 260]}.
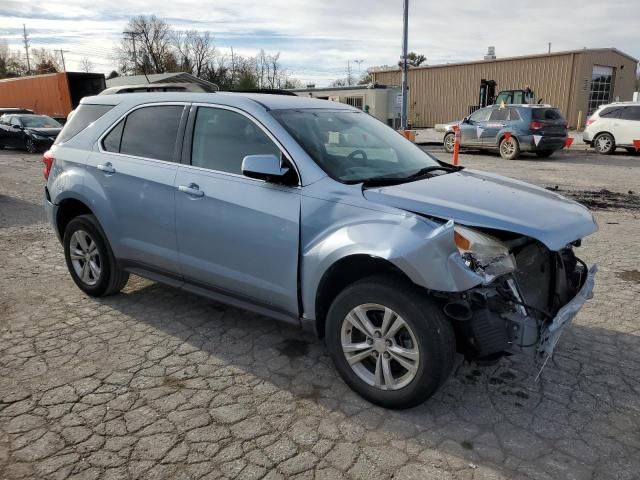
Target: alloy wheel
{"type": "Point", "coordinates": [449, 142]}
{"type": "Point", "coordinates": [380, 346]}
{"type": "Point", "coordinates": [31, 146]}
{"type": "Point", "coordinates": [85, 257]}
{"type": "Point", "coordinates": [603, 143]}
{"type": "Point", "coordinates": [507, 147]}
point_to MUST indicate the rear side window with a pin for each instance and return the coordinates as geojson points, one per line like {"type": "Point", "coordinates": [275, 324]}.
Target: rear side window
{"type": "Point", "coordinates": [547, 114]}
{"type": "Point", "coordinates": [499, 114]}
{"type": "Point", "coordinates": [513, 114]}
{"type": "Point", "coordinates": [111, 142]}
{"type": "Point", "coordinates": [630, 113]}
{"type": "Point", "coordinates": [610, 112]}
{"type": "Point", "coordinates": [82, 117]}
{"type": "Point", "coordinates": [149, 132]}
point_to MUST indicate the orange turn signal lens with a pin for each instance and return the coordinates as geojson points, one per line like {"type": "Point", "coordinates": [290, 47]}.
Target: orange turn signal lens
{"type": "Point", "coordinates": [461, 242]}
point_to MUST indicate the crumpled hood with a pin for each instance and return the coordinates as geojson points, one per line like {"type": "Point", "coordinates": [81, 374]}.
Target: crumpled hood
{"type": "Point", "coordinates": [45, 132]}
{"type": "Point", "coordinates": [481, 199]}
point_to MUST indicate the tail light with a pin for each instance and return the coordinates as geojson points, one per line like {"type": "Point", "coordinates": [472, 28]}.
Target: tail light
{"type": "Point", "coordinates": [536, 126]}
{"type": "Point", "coordinates": [590, 120]}
{"type": "Point", "coordinates": [47, 159]}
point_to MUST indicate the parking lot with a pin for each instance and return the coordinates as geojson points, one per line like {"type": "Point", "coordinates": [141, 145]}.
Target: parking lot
{"type": "Point", "coordinates": [156, 383]}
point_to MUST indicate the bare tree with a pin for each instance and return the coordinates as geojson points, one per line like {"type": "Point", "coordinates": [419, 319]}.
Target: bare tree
{"type": "Point", "coordinates": [45, 61]}
{"type": "Point", "coordinates": [147, 46]}
{"type": "Point", "coordinates": [86, 65]}
{"type": "Point", "coordinates": [11, 63]}
{"type": "Point", "coordinates": [195, 50]}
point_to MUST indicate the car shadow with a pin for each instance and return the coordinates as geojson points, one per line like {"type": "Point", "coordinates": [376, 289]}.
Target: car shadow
{"type": "Point", "coordinates": [16, 212]}
{"type": "Point", "coordinates": [481, 416]}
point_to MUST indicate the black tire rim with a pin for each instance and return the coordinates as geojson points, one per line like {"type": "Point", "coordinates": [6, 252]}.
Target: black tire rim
{"type": "Point", "coordinates": [31, 146]}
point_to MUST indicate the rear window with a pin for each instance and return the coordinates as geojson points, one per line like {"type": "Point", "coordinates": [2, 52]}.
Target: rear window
{"type": "Point", "coordinates": [547, 114]}
{"type": "Point", "coordinates": [82, 117]}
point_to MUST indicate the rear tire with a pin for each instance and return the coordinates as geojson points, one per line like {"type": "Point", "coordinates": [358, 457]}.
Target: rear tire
{"type": "Point", "coordinates": [89, 258]}
{"type": "Point", "coordinates": [449, 141]}
{"type": "Point", "coordinates": [509, 149]}
{"type": "Point", "coordinates": [369, 362]}
{"type": "Point", "coordinates": [604, 144]}
{"type": "Point", "coordinates": [545, 153]}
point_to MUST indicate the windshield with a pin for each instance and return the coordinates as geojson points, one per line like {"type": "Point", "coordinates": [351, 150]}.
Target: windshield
{"type": "Point", "coordinates": [353, 147]}
{"type": "Point", "coordinates": [41, 121]}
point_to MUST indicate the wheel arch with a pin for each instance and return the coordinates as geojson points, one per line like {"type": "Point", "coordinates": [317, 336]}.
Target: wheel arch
{"type": "Point", "coordinates": [67, 210]}
{"type": "Point", "coordinates": [344, 272]}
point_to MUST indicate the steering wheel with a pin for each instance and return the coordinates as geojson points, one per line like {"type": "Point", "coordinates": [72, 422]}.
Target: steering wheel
{"type": "Point", "coordinates": [362, 153]}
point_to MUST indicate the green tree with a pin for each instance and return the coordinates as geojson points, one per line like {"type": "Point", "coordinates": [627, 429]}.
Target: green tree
{"type": "Point", "coordinates": [413, 60]}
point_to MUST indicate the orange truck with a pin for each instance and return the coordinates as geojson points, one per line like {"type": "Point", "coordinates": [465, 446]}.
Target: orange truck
{"type": "Point", "coordinates": [53, 94]}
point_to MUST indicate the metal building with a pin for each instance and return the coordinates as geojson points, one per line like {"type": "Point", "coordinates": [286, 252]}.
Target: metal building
{"type": "Point", "coordinates": [575, 81]}
{"type": "Point", "coordinates": [378, 100]}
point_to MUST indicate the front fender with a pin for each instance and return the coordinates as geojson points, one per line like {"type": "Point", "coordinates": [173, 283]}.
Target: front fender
{"type": "Point", "coordinates": [423, 250]}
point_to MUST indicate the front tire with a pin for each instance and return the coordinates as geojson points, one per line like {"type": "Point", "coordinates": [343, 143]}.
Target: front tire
{"type": "Point", "coordinates": [89, 258]}
{"type": "Point", "coordinates": [509, 149]}
{"type": "Point", "coordinates": [390, 342]}
{"type": "Point", "coordinates": [449, 142]}
{"type": "Point", "coordinates": [30, 146]}
{"type": "Point", "coordinates": [604, 144]}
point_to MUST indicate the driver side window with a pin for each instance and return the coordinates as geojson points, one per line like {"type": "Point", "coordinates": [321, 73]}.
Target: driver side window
{"type": "Point", "coordinates": [222, 138]}
{"type": "Point", "coordinates": [481, 115]}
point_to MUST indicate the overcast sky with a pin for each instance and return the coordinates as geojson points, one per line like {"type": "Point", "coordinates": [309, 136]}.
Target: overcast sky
{"type": "Point", "coordinates": [317, 38]}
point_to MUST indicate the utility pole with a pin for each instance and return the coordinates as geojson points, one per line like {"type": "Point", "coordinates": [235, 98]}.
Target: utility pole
{"type": "Point", "coordinates": [549, 47]}
{"type": "Point", "coordinates": [349, 76]}
{"type": "Point", "coordinates": [26, 46]}
{"type": "Point", "coordinates": [133, 34]}
{"type": "Point", "coordinates": [405, 41]}
{"type": "Point", "coordinates": [359, 62]}
{"type": "Point", "coordinates": [64, 68]}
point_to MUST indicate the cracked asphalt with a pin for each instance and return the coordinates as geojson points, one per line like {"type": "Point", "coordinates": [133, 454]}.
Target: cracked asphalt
{"type": "Point", "coordinates": [155, 383]}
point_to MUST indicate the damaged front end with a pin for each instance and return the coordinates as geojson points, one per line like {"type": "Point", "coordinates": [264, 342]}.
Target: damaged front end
{"type": "Point", "coordinates": [529, 297]}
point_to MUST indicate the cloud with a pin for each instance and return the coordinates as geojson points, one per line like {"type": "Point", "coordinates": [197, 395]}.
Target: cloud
{"type": "Point", "coordinates": [316, 39]}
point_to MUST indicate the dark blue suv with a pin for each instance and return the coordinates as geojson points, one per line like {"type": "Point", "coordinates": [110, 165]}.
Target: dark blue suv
{"type": "Point", "coordinates": [511, 129]}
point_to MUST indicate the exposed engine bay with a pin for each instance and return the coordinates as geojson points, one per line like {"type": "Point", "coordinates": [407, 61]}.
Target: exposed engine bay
{"type": "Point", "coordinates": [524, 311]}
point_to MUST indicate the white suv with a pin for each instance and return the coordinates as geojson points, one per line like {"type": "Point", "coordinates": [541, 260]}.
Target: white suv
{"type": "Point", "coordinates": [612, 126]}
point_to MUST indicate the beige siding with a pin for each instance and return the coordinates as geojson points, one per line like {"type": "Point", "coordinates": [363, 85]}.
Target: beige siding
{"type": "Point", "coordinates": [442, 93]}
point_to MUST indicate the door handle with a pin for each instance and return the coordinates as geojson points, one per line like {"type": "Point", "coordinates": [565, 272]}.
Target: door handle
{"type": "Point", "coordinates": [107, 168]}
{"type": "Point", "coordinates": [191, 189]}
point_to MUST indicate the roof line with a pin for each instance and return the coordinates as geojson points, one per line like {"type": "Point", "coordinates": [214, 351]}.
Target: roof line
{"type": "Point", "coordinates": [520, 57]}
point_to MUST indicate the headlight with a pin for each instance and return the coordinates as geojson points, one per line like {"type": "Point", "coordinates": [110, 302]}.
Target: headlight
{"type": "Point", "coordinates": [483, 253]}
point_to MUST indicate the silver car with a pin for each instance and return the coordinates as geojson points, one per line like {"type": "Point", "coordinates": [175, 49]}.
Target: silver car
{"type": "Point", "coordinates": [316, 214]}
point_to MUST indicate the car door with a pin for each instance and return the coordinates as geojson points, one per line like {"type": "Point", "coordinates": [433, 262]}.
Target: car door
{"type": "Point", "coordinates": [627, 126]}
{"type": "Point", "coordinates": [14, 134]}
{"type": "Point", "coordinates": [135, 169]}
{"type": "Point", "coordinates": [472, 131]}
{"type": "Point", "coordinates": [236, 235]}
{"type": "Point", "coordinates": [497, 121]}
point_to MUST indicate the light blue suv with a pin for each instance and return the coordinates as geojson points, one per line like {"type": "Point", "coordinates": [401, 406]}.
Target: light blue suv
{"type": "Point", "coordinates": [316, 214]}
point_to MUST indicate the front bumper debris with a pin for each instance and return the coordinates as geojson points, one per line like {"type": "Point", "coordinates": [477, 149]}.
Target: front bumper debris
{"type": "Point", "coordinates": [552, 331]}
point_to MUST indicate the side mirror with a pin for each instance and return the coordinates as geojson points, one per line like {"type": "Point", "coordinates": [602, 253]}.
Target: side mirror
{"type": "Point", "coordinates": [263, 167]}
{"type": "Point", "coordinates": [16, 127]}
{"type": "Point", "coordinates": [467, 119]}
